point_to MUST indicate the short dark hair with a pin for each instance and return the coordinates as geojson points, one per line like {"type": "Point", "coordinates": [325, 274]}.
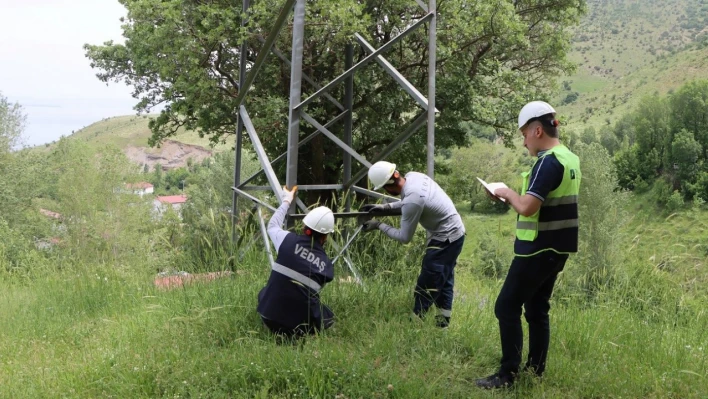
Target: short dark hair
{"type": "Point", "coordinates": [548, 123]}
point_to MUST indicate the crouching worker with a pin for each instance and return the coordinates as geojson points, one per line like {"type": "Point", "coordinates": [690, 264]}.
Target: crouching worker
{"type": "Point", "coordinates": [289, 304]}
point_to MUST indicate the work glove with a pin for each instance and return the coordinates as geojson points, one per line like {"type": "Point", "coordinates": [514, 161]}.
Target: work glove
{"type": "Point", "coordinates": [289, 195]}
{"type": "Point", "coordinates": [371, 225]}
{"type": "Point", "coordinates": [375, 208]}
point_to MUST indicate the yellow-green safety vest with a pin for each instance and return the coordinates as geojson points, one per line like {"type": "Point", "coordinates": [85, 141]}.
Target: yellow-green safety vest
{"type": "Point", "coordinates": [527, 227]}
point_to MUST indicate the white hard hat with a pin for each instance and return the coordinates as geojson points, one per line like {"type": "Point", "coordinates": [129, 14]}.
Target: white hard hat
{"type": "Point", "coordinates": [534, 109]}
{"type": "Point", "coordinates": [380, 173]}
{"type": "Point", "coordinates": [320, 219]}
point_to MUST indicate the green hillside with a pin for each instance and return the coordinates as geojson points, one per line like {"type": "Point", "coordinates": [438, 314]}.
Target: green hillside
{"type": "Point", "coordinates": [626, 49]}
{"type": "Point", "coordinates": [133, 131]}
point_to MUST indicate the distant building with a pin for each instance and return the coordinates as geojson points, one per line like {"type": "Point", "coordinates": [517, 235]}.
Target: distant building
{"type": "Point", "coordinates": [162, 203]}
{"type": "Point", "coordinates": [141, 188]}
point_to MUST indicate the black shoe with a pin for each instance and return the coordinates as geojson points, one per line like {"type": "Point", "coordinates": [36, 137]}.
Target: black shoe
{"type": "Point", "coordinates": [495, 381]}
{"type": "Point", "coordinates": [442, 321]}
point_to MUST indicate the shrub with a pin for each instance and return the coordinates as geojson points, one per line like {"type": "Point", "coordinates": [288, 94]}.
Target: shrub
{"type": "Point", "coordinates": [674, 202]}
{"type": "Point", "coordinates": [602, 215]}
{"type": "Point", "coordinates": [661, 192]}
{"type": "Point", "coordinates": [491, 256]}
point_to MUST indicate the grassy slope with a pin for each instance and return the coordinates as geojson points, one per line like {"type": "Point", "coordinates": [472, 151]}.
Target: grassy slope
{"type": "Point", "coordinates": [674, 243]}
{"type": "Point", "coordinates": [130, 130]}
{"type": "Point", "coordinates": [114, 335]}
{"type": "Point", "coordinates": [626, 49]}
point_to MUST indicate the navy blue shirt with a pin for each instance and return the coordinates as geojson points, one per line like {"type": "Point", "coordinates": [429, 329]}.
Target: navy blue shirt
{"type": "Point", "coordinates": [546, 176]}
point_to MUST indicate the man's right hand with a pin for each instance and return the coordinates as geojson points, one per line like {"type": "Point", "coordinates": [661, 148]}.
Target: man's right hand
{"type": "Point", "coordinates": [289, 195]}
{"type": "Point", "coordinates": [371, 225]}
{"type": "Point", "coordinates": [492, 196]}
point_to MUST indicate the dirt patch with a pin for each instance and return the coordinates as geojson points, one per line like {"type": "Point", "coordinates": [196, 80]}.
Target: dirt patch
{"type": "Point", "coordinates": [171, 154]}
{"type": "Point", "coordinates": [182, 278]}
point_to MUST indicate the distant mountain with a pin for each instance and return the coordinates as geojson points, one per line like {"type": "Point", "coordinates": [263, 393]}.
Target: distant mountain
{"type": "Point", "coordinates": [627, 49]}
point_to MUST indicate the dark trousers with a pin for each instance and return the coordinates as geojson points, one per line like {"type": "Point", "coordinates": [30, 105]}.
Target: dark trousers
{"type": "Point", "coordinates": [437, 277]}
{"type": "Point", "coordinates": [529, 283]}
{"type": "Point", "coordinates": [299, 331]}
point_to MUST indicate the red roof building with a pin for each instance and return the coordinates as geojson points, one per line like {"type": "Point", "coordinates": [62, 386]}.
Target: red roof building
{"type": "Point", "coordinates": [161, 203]}
{"type": "Point", "coordinates": [172, 199]}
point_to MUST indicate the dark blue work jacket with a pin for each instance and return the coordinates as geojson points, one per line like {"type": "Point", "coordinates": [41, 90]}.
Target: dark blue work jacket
{"type": "Point", "coordinates": [292, 295]}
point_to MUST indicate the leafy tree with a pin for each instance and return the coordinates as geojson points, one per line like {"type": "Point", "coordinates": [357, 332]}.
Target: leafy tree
{"type": "Point", "coordinates": [624, 130]}
{"type": "Point", "coordinates": [156, 178]}
{"type": "Point", "coordinates": [689, 107]}
{"type": "Point", "coordinates": [685, 155]}
{"type": "Point", "coordinates": [652, 124]}
{"type": "Point", "coordinates": [627, 166]}
{"type": "Point", "coordinates": [175, 179]}
{"type": "Point", "coordinates": [609, 141]}
{"type": "Point", "coordinates": [671, 137]}
{"type": "Point", "coordinates": [23, 173]}
{"type": "Point", "coordinates": [701, 186]}
{"type": "Point", "coordinates": [589, 135]}
{"type": "Point", "coordinates": [12, 124]}
{"type": "Point", "coordinates": [570, 98]}
{"type": "Point", "coordinates": [466, 164]}
{"type": "Point", "coordinates": [479, 132]}
{"type": "Point", "coordinates": [493, 56]}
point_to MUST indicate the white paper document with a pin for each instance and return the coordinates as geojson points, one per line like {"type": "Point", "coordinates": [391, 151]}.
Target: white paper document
{"type": "Point", "coordinates": [493, 186]}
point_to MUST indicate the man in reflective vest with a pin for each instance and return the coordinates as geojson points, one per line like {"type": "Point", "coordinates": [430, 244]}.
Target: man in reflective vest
{"type": "Point", "coordinates": [424, 202]}
{"type": "Point", "coordinates": [546, 233]}
{"type": "Point", "coordinates": [289, 304]}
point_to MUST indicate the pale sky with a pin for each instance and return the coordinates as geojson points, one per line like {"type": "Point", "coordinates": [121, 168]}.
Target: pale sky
{"type": "Point", "coordinates": [43, 67]}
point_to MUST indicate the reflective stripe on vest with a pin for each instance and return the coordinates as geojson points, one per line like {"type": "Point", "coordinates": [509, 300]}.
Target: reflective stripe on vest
{"type": "Point", "coordinates": [568, 199]}
{"type": "Point", "coordinates": [527, 227]}
{"type": "Point", "coordinates": [548, 226]}
{"type": "Point", "coordinates": [300, 278]}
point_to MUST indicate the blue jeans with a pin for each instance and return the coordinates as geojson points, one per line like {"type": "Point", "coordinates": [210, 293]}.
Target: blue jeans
{"type": "Point", "coordinates": [437, 277]}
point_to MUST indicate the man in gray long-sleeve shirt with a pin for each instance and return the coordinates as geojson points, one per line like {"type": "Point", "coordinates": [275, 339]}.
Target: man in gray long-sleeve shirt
{"type": "Point", "coordinates": [424, 202]}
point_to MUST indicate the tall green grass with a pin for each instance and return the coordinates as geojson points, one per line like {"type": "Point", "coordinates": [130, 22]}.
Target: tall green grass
{"type": "Point", "coordinates": [95, 330]}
